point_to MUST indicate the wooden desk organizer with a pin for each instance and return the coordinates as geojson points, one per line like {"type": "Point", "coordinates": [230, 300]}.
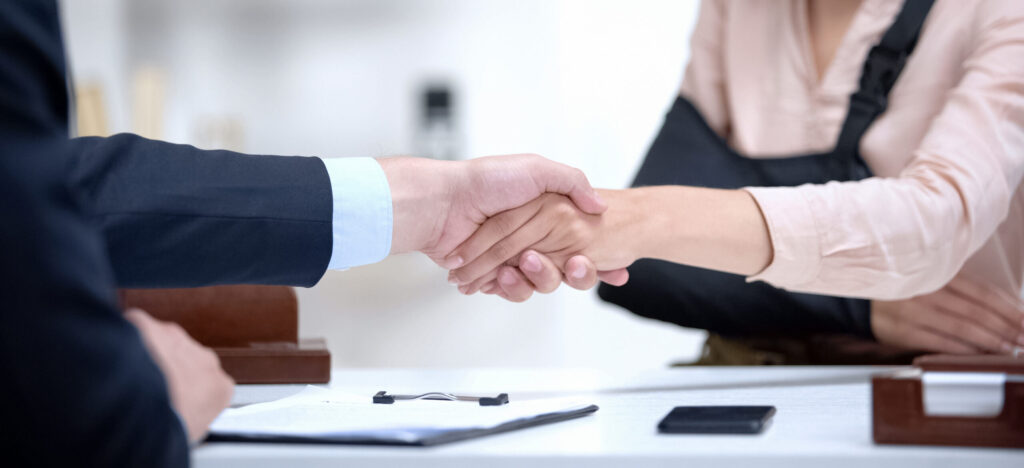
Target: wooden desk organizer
{"type": "Point", "coordinates": [253, 329]}
{"type": "Point", "coordinates": [899, 416]}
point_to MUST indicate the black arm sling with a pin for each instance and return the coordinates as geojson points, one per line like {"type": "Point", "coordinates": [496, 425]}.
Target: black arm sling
{"type": "Point", "coordinates": [688, 152]}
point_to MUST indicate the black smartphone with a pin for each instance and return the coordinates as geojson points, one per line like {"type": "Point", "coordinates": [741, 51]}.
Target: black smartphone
{"type": "Point", "coordinates": [716, 420]}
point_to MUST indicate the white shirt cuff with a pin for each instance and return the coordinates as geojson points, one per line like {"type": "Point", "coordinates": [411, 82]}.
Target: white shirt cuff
{"type": "Point", "coordinates": [362, 218]}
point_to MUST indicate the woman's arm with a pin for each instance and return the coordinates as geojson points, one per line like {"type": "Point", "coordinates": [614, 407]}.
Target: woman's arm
{"type": "Point", "coordinates": [710, 228]}
{"type": "Point", "coordinates": [882, 238]}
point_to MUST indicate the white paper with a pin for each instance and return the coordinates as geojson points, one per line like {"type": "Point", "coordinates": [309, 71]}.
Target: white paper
{"type": "Point", "coordinates": [319, 412]}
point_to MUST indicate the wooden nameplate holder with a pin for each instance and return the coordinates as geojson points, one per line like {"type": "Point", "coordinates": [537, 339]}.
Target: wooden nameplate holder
{"type": "Point", "coordinates": [900, 406]}
{"type": "Point", "coordinates": [253, 329]}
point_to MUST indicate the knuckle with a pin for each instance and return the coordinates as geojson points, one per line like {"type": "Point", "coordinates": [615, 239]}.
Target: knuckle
{"type": "Point", "coordinates": [564, 209]}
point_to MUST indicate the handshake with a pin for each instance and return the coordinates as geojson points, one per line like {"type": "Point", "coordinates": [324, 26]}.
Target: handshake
{"type": "Point", "coordinates": [510, 225]}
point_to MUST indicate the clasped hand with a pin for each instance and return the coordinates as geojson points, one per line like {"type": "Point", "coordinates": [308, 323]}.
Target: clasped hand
{"type": "Point", "coordinates": [545, 242]}
{"type": "Point", "coordinates": [482, 217]}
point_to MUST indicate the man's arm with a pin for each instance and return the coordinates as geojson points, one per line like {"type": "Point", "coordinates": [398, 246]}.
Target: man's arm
{"type": "Point", "coordinates": [79, 388]}
{"type": "Point", "coordinates": [177, 216]}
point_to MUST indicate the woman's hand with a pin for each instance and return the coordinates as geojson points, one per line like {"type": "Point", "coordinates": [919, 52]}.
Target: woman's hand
{"type": "Point", "coordinates": [961, 318]}
{"type": "Point", "coordinates": [536, 272]}
{"type": "Point", "coordinates": [558, 233]}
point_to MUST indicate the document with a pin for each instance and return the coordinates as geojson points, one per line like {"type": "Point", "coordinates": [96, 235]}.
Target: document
{"type": "Point", "coordinates": [321, 415]}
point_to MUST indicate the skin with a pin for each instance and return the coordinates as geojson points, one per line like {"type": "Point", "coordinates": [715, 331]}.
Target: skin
{"type": "Point", "coordinates": [964, 317]}
{"type": "Point", "coordinates": [721, 229]}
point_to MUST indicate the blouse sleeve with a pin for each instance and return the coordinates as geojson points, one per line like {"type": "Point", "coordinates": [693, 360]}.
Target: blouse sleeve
{"type": "Point", "coordinates": [890, 238]}
{"type": "Point", "coordinates": [703, 82]}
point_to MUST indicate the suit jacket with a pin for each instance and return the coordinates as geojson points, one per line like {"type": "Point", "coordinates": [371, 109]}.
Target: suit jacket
{"type": "Point", "coordinates": [82, 216]}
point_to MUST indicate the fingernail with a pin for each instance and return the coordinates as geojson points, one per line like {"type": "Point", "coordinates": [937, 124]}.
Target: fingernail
{"type": "Point", "coordinates": [1006, 348]}
{"type": "Point", "coordinates": [600, 200]}
{"type": "Point", "coordinates": [452, 278]}
{"type": "Point", "coordinates": [453, 263]}
{"type": "Point", "coordinates": [1020, 339]}
{"type": "Point", "coordinates": [507, 278]}
{"type": "Point", "coordinates": [531, 263]}
{"type": "Point", "coordinates": [579, 272]}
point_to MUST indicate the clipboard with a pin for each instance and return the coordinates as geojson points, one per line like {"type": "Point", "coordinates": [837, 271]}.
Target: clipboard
{"type": "Point", "coordinates": [429, 423]}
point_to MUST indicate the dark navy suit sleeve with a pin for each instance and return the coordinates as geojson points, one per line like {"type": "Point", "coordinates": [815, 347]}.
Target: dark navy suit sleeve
{"type": "Point", "coordinates": [177, 216]}
{"type": "Point", "coordinates": [77, 387]}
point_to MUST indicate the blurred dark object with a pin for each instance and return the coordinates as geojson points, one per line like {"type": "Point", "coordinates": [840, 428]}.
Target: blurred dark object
{"type": "Point", "coordinates": [899, 416]}
{"type": "Point", "coordinates": [253, 329]}
{"type": "Point", "coordinates": [811, 350]}
{"type": "Point", "coordinates": [437, 136]}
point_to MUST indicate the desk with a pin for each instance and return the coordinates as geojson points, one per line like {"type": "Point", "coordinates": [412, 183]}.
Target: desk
{"type": "Point", "coordinates": [823, 419]}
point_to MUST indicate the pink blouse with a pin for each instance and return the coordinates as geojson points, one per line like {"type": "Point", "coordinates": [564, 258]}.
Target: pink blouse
{"type": "Point", "coordinates": [948, 154]}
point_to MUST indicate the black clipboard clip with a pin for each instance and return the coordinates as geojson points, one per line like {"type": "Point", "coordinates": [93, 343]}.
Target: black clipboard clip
{"type": "Point", "coordinates": [383, 398]}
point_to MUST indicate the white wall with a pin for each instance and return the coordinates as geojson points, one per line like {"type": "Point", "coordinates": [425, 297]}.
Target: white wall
{"type": "Point", "coordinates": [583, 82]}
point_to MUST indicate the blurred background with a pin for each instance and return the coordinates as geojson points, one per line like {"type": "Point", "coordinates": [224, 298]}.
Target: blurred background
{"type": "Point", "coordinates": [582, 82]}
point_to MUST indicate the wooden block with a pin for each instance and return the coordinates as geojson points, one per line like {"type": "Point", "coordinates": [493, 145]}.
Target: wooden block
{"type": "Point", "coordinates": [253, 329]}
{"type": "Point", "coordinates": [278, 363]}
{"type": "Point", "coordinates": [898, 415]}
{"type": "Point", "coordinates": [224, 316]}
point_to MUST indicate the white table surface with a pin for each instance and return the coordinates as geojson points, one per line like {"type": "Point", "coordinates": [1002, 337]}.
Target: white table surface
{"type": "Point", "coordinates": [823, 420]}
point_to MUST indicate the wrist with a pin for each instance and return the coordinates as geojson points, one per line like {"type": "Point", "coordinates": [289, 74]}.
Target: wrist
{"type": "Point", "coordinates": [624, 225]}
{"type": "Point", "coordinates": [421, 190]}
{"type": "Point", "coordinates": [643, 222]}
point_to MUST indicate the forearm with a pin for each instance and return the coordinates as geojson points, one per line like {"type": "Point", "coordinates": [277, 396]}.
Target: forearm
{"type": "Point", "coordinates": [709, 228]}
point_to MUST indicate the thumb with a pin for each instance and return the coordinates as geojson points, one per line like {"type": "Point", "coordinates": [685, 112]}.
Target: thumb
{"type": "Point", "coordinates": [566, 180]}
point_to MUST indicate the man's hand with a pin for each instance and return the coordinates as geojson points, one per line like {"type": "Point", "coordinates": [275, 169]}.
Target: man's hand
{"type": "Point", "coordinates": [439, 204]}
{"type": "Point", "coordinates": [199, 388]}
{"type": "Point", "coordinates": [557, 233]}
{"type": "Point", "coordinates": [961, 318]}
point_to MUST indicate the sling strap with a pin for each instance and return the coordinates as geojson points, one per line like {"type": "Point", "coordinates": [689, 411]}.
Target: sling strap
{"type": "Point", "coordinates": [884, 63]}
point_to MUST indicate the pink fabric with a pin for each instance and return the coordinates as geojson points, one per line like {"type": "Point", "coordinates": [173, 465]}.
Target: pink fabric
{"type": "Point", "coordinates": [948, 154]}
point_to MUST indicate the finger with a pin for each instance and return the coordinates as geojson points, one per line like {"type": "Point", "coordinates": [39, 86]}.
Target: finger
{"type": "Point", "coordinates": [1009, 308]}
{"type": "Point", "coordinates": [478, 284]}
{"type": "Point", "coordinates": [974, 312]}
{"type": "Point", "coordinates": [494, 229]}
{"type": "Point", "coordinates": [513, 285]}
{"type": "Point", "coordinates": [500, 252]}
{"type": "Point", "coordinates": [965, 331]}
{"type": "Point", "coordinates": [490, 288]}
{"type": "Point", "coordinates": [614, 277]}
{"type": "Point", "coordinates": [580, 273]}
{"type": "Point", "coordinates": [140, 318]}
{"type": "Point", "coordinates": [566, 180]}
{"type": "Point", "coordinates": [540, 271]}
{"type": "Point", "coordinates": [928, 340]}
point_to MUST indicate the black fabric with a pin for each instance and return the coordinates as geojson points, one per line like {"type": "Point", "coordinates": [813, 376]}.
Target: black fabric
{"type": "Point", "coordinates": [78, 387]}
{"type": "Point", "coordinates": [688, 152]}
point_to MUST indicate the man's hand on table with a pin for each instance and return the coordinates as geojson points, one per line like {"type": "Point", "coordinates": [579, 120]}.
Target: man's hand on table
{"type": "Point", "coordinates": [198, 386]}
